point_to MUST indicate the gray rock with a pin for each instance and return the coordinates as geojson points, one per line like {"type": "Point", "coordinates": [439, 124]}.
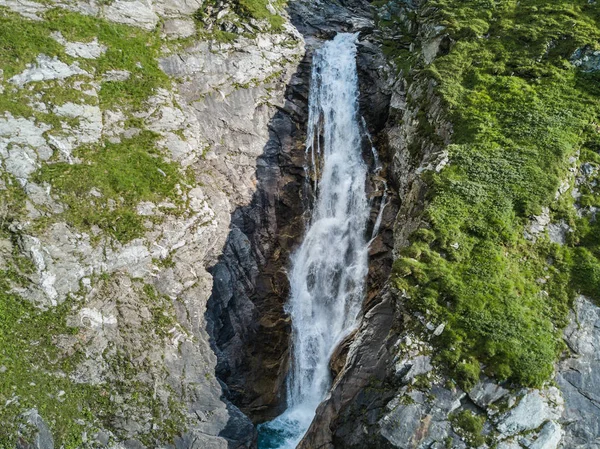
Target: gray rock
{"type": "Point", "coordinates": [558, 232]}
{"type": "Point", "coordinates": [424, 422]}
{"type": "Point", "coordinates": [400, 426]}
{"type": "Point", "coordinates": [486, 393]}
{"type": "Point", "coordinates": [532, 411]}
{"type": "Point", "coordinates": [509, 445]}
{"type": "Point", "coordinates": [579, 378]}
{"type": "Point", "coordinates": [85, 50]}
{"type": "Point", "coordinates": [179, 28]}
{"type": "Point", "coordinates": [46, 69]}
{"type": "Point", "coordinates": [540, 222]}
{"type": "Point", "coordinates": [43, 438]}
{"type": "Point", "coordinates": [549, 437]}
{"type": "Point", "coordinates": [28, 9]}
{"type": "Point", "coordinates": [418, 366]}
{"type": "Point", "coordinates": [587, 59]}
{"type": "Point", "coordinates": [132, 12]}
{"type": "Point", "coordinates": [116, 75]}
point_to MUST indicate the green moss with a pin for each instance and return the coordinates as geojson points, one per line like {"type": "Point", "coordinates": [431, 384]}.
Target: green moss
{"type": "Point", "coordinates": [519, 111]}
{"type": "Point", "coordinates": [123, 174]}
{"type": "Point", "coordinates": [469, 426]}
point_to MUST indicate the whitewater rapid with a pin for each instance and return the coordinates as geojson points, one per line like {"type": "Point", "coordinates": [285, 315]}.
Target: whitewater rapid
{"type": "Point", "coordinates": [328, 271]}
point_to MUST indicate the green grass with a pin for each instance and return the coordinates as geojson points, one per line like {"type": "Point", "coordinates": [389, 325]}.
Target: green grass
{"type": "Point", "coordinates": [257, 9]}
{"type": "Point", "coordinates": [128, 48]}
{"type": "Point", "coordinates": [520, 111]}
{"type": "Point", "coordinates": [469, 426]}
{"type": "Point", "coordinates": [35, 370]}
{"type": "Point", "coordinates": [21, 41]}
{"type": "Point", "coordinates": [124, 173]}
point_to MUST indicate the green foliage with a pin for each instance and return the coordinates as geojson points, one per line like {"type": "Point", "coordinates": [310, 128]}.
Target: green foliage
{"type": "Point", "coordinates": [123, 173]}
{"type": "Point", "coordinates": [469, 426]}
{"type": "Point", "coordinates": [520, 111]}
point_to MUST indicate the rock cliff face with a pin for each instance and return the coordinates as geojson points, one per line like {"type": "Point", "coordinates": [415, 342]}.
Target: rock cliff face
{"type": "Point", "coordinates": [153, 190]}
{"type": "Point", "coordinates": [148, 113]}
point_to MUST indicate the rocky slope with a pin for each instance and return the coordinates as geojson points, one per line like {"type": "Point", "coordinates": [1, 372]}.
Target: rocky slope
{"type": "Point", "coordinates": [153, 188]}
{"type": "Point", "coordinates": [397, 388]}
{"type": "Point", "coordinates": [130, 132]}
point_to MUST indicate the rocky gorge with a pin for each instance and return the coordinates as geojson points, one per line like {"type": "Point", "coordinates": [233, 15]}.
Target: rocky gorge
{"type": "Point", "coordinates": [154, 188]}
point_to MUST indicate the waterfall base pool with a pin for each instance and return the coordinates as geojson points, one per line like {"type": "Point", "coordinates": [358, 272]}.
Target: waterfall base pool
{"type": "Point", "coordinates": [284, 432]}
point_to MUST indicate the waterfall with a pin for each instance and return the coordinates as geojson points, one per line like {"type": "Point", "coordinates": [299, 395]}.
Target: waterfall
{"type": "Point", "coordinates": [328, 271]}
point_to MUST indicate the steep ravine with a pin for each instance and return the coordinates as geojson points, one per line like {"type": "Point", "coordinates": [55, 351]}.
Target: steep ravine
{"type": "Point", "coordinates": [153, 189]}
{"type": "Point", "coordinates": [245, 312]}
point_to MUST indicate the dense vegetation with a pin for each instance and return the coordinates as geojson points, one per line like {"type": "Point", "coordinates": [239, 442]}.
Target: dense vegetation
{"type": "Point", "coordinates": [522, 114]}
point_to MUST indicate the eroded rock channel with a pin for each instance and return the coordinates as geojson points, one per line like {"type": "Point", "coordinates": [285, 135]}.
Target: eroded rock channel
{"type": "Point", "coordinates": [245, 314]}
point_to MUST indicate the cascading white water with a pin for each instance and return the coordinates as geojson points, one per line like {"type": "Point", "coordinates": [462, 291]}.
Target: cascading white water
{"type": "Point", "coordinates": [328, 271]}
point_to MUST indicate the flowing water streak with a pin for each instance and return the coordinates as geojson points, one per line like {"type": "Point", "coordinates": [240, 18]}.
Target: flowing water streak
{"type": "Point", "coordinates": [328, 271]}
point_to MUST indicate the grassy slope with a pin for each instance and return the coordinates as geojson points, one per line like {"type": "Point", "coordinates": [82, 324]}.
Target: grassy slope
{"type": "Point", "coordinates": [520, 111]}
{"type": "Point", "coordinates": [34, 370]}
{"type": "Point", "coordinates": [125, 173]}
